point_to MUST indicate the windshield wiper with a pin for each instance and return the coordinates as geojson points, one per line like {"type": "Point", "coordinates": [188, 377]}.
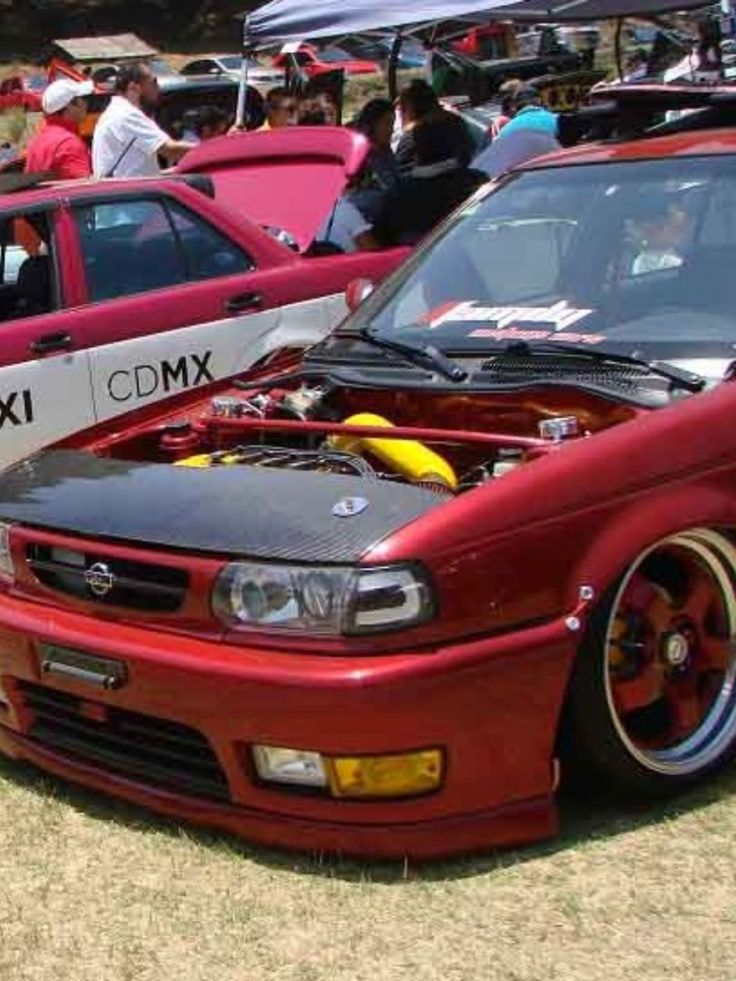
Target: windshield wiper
{"type": "Point", "coordinates": [679, 377]}
{"type": "Point", "coordinates": [420, 354]}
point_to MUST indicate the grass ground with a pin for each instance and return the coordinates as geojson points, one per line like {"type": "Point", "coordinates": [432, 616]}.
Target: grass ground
{"type": "Point", "coordinates": [91, 890]}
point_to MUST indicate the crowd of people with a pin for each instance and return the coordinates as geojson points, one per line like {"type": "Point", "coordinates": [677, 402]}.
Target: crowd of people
{"type": "Point", "coordinates": [422, 162]}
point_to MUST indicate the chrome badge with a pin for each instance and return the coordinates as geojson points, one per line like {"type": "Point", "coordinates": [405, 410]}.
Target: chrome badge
{"type": "Point", "coordinates": [348, 507]}
{"type": "Point", "coordinates": [99, 578]}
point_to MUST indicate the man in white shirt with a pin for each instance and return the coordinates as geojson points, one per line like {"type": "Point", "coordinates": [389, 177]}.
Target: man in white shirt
{"type": "Point", "coordinates": [126, 141]}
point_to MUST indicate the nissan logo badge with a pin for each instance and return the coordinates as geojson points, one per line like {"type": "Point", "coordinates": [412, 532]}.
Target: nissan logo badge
{"type": "Point", "coordinates": [348, 507]}
{"type": "Point", "coordinates": [99, 579]}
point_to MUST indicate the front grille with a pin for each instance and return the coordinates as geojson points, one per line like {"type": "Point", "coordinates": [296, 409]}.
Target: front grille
{"type": "Point", "coordinates": [158, 752]}
{"type": "Point", "coordinates": [120, 582]}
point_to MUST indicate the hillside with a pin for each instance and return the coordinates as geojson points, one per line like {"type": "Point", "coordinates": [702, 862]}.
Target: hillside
{"type": "Point", "coordinates": [26, 26]}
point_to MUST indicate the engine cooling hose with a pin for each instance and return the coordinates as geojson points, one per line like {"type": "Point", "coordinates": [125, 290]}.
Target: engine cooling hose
{"type": "Point", "coordinates": [411, 459]}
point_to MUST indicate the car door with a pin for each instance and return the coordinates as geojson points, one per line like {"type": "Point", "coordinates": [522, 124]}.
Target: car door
{"type": "Point", "coordinates": [43, 367]}
{"type": "Point", "coordinates": [174, 302]}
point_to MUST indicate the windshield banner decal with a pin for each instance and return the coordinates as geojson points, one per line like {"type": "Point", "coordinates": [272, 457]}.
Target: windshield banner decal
{"type": "Point", "coordinates": [516, 334]}
{"type": "Point", "coordinates": [560, 316]}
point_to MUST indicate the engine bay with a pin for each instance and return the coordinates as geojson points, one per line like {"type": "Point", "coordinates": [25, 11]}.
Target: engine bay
{"type": "Point", "coordinates": [446, 442]}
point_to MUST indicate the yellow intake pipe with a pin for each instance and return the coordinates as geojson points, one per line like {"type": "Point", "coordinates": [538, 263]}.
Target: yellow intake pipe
{"type": "Point", "coordinates": [408, 457]}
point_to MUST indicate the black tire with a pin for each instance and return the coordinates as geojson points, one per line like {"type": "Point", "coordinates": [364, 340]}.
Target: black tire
{"type": "Point", "coordinates": [599, 742]}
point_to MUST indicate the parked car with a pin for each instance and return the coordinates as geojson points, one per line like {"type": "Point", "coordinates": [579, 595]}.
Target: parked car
{"type": "Point", "coordinates": [313, 61]}
{"type": "Point", "coordinates": [105, 75]}
{"type": "Point", "coordinates": [103, 284]}
{"type": "Point", "coordinates": [21, 91]}
{"type": "Point", "coordinates": [486, 531]}
{"type": "Point", "coordinates": [230, 66]}
{"type": "Point", "coordinates": [188, 95]}
{"type": "Point", "coordinates": [378, 49]}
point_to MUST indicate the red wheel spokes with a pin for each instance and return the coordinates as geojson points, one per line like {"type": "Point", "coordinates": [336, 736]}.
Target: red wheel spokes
{"type": "Point", "coordinates": [630, 694]}
{"type": "Point", "coordinates": [671, 656]}
{"type": "Point", "coordinates": [715, 653]}
{"type": "Point", "coordinates": [649, 600]}
{"type": "Point", "coordinates": [685, 708]}
{"type": "Point", "coordinates": [699, 599]}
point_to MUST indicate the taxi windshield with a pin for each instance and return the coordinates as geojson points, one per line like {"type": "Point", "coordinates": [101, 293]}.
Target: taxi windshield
{"type": "Point", "coordinates": [637, 258]}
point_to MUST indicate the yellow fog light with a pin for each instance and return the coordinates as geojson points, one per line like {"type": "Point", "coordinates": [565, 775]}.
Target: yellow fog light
{"type": "Point", "coordinates": [397, 775]}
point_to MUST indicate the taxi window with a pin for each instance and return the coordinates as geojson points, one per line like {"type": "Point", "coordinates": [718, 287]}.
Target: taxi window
{"type": "Point", "coordinates": [128, 248]}
{"type": "Point", "coordinates": [208, 253]}
{"type": "Point", "coordinates": [135, 246]}
{"type": "Point", "coordinates": [27, 276]}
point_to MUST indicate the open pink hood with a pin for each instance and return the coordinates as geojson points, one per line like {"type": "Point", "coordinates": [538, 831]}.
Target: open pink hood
{"type": "Point", "coordinates": [288, 178]}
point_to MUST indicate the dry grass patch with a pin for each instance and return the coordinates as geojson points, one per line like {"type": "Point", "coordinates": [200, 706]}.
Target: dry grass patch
{"type": "Point", "coordinates": [95, 891]}
{"type": "Point", "coordinates": [17, 126]}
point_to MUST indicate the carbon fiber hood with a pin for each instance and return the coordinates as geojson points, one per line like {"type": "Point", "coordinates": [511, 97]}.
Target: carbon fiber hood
{"type": "Point", "coordinates": [237, 510]}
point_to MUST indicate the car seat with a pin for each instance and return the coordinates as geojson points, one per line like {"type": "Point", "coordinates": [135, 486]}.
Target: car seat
{"type": "Point", "coordinates": [33, 286]}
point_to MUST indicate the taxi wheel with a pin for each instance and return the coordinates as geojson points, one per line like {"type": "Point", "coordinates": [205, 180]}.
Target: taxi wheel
{"type": "Point", "coordinates": [652, 703]}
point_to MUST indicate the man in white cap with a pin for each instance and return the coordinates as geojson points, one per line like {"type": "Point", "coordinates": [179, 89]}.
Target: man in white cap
{"type": "Point", "coordinates": [126, 141]}
{"type": "Point", "coordinates": [58, 149]}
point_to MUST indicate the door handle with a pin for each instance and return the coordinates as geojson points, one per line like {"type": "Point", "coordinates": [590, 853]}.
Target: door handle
{"type": "Point", "coordinates": [244, 302]}
{"type": "Point", "coordinates": [49, 343]}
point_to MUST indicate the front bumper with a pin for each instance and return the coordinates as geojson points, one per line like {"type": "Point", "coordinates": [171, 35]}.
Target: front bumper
{"type": "Point", "coordinates": [491, 704]}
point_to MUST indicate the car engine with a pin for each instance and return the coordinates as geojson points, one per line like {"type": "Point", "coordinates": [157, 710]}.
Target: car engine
{"type": "Point", "coordinates": [443, 442]}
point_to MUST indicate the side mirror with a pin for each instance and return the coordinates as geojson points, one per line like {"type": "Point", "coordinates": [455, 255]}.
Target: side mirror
{"type": "Point", "coordinates": [357, 291]}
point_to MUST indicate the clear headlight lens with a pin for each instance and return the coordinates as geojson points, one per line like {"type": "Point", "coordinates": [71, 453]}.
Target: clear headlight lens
{"type": "Point", "coordinates": [322, 600]}
{"type": "Point", "coordinates": [6, 560]}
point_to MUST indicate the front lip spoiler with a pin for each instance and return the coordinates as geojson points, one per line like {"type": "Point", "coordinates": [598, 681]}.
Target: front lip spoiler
{"type": "Point", "coordinates": [513, 824]}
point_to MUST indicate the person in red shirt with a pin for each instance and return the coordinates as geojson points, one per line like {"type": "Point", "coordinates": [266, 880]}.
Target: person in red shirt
{"type": "Point", "coordinates": [58, 149]}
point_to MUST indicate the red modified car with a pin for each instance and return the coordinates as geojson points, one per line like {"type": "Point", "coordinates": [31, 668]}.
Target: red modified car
{"type": "Point", "coordinates": [313, 61]}
{"type": "Point", "coordinates": [114, 294]}
{"type": "Point", "coordinates": [22, 92]}
{"type": "Point", "coordinates": [376, 601]}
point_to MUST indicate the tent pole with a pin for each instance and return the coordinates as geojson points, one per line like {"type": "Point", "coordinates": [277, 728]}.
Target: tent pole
{"type": "Point", "coordinates": [240, 112]}
{"type": "Point", "coordinates": [617, 47]}
{"type": "Point", "coordinates": [393, 62]}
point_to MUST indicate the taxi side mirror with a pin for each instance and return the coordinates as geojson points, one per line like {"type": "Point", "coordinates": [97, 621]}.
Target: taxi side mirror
{"type": "Point", "coordinates": [357, 291]}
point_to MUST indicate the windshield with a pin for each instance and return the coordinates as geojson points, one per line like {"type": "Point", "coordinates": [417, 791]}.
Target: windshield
{"type": "Point", "coordinates": [160, 67]}
{"type": "Point", "coordinates": [637, 258]}
{"type": "Point", "coordinates": [334, 54]}
{"type": "Point", "coordinates": [234, 63]}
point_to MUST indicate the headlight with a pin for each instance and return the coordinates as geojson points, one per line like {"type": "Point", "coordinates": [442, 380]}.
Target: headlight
{"type": "Point", "coordinates": [322, 600]}
{"type": "Point", "coordinates": [6, 559]}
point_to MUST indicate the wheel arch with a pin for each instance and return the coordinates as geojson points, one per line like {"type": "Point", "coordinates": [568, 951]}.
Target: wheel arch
{"type": "Point", "coordinates": [640, 525]}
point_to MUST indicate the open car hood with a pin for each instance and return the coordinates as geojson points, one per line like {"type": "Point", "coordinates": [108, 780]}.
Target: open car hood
{"type": "Point", "coordinates": [288, 178]}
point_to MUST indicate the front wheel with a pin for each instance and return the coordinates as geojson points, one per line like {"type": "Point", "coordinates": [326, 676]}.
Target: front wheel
{"type": "Point", "coordinates": [652, 703]}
